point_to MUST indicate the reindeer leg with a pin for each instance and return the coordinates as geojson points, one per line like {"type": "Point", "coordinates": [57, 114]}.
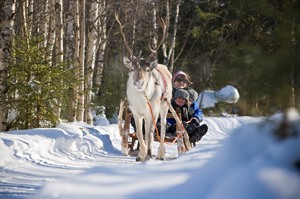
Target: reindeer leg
{"type": "Point", "coordinates": [149, 137]}
{"type": "Point", "coordinates": [143, 147]}
{"type": "Point", "coordinates": [150, 142]}
{"type": "Point", "coordinates": [161, 149]}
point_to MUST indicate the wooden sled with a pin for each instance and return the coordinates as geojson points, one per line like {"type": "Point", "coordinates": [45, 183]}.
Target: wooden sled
{"type": "Point", "coordinates": [129, 139]}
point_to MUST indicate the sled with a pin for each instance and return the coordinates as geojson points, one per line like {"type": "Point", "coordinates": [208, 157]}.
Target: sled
{"type": "Point", "coordinates": [130, 140]}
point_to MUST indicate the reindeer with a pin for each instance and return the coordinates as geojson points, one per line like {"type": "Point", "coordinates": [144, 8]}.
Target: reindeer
{"type": "Point", "coordinates": [149, 90]}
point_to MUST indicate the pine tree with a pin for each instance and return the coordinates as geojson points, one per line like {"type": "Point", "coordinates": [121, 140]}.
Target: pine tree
{"type": "Point", "coordinates": [34, 85]}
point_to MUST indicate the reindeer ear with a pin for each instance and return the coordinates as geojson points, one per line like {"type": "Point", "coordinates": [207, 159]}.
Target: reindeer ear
{"type": "Point", "coordinates": [153, 64]}
{"type": "Point", "coordinates": [127, 62]}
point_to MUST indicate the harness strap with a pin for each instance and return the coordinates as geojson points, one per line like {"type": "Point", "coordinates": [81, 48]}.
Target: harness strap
{"type": "Point", "coordinates": [153, 120]}
{"type": "Point", "coordinates": [164, 81]}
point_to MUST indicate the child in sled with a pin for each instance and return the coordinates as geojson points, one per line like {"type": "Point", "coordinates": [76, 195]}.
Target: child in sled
{"type": "Point", "coordinates": [191, 115]}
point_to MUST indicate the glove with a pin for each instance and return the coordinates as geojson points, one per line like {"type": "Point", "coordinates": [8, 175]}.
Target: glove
{"type": "Point", "coordinates": [195, 120]}
{"type": "Point", "coordinates": [190, 128]}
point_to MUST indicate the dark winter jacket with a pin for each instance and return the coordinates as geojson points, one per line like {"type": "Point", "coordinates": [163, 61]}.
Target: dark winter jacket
{"type": "Point", "coordinates": [187, 113]}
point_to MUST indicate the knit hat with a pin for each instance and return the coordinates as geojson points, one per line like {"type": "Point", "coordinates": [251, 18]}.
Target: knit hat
{"type": "Point", "coordinates": [182, 93]}
{"type": "Point", "coordinates": [183, 75]}
{"type": "Point", "coordinates": [193, 94]}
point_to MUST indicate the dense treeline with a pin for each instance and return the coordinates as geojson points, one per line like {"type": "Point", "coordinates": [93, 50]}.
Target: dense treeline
{"type": "Point", "coordinates": [61, 59]}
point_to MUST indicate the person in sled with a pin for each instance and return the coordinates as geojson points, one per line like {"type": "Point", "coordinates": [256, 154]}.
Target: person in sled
{"type": "Point", "coordinates": [196, 112]}
{"type": "Point", "coordinates": [191, 116]}
{"type": "Point", "coordinates": [180, 80]}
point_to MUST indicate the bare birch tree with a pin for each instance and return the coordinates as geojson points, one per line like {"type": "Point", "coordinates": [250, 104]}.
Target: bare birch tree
{"type": "Point", "coordinates": [70, 29]}
{"type": "Point", "coordinates": [7, 17]}
{"type": "Point", "coordinates": [91, 54]}
{"type": "Point", "coordinates": [45, 25]}
{"type": "Point", "coordinates": [154, 24]}
{"type": "Point", "coordinates": [75, 90]}
{"type": "Point", "coordinates": [80, 106]}
{"type": "Point", "coordinates": [59, 45]}
{"type": "Point", "coordinates": [170, 53]}
{"type": "Point", "coordinates": [51, 30]}
{"type": "Point", "coordinates": [102, 40]}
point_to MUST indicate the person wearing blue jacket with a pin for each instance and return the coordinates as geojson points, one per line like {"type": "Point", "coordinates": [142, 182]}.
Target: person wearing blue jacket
{"type": "Point", "coordinates": [191, 115]}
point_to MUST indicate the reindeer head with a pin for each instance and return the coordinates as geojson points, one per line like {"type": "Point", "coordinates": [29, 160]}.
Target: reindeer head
{"type": "Point", "coordinates": [140, 68]}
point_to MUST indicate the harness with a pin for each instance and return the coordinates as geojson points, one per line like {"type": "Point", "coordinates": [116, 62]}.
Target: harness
{"type": "Point", "coordinates": [162, 98]}
{"type": "Point", "coordinates": [164, 83]}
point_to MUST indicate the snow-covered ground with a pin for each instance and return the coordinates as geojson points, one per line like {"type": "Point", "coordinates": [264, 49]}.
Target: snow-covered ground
{"type": "Point", "coordinates": [239, 157]}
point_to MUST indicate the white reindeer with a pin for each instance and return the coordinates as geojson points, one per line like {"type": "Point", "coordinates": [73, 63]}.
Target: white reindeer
{"type": "Point", "coordinates": [149, 89]}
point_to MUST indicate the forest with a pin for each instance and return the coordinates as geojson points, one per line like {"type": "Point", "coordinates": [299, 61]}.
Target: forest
{"type": "Point", "coordinates": [59, 60]}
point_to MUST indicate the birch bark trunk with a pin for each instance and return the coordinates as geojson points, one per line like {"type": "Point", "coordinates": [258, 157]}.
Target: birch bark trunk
{"type": "Point", "coordinates": [90, 59]}
{"type": "Point", "coordinates": [81, 105]}
{"type": "Point", "coordinates": [45, 25]}
{"type": "Point", "coordinates": [51, 31]}
{"type": "Point", "coordinates": [102, 40]}
{"type": "Point", "coordinates": [59, 43]}
{"type": "Point", "coordinates": [170, 53]}
{"type": "Point", "coordinates": [154, 38]}
{"type": "Point", "coordinates": [75, 90]}
{"type": "Point", "coordinates": [6, 33]}
{"type": "Point", "coordinates": [70, 30]}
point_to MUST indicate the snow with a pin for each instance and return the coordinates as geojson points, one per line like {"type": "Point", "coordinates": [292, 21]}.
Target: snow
{"type": "Point", "coordinates": [239, 157]}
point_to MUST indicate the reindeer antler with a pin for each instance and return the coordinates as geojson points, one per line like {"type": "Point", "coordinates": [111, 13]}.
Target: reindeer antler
{"type": "Point", "coordinates": [123, 35]}
{"type": "Point", "coordinates": [163, 24]}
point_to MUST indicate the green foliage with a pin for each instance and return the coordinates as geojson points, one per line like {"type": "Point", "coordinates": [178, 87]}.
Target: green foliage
{"type": "Point", "coordinates": [35, 87]}
{"type": "Point", "coordinates": [251, 45]}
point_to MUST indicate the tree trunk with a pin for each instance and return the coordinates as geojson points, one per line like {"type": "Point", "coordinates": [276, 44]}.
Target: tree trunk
{"type": "Point", "coordinates": [6, 34]}
{"type": "Point", "coordinates": [293, 53]}
{"type": "Point", "coordinates": [171, 53]}
{"type": "Point", "coordinates": [75, 90]}
{"type": "Point", "coordinates": [25, 19]}
{"type": "Point", "coordinates": [90, 59]}
{"type": "Point", "coordinates": [70, 35]}
{"type": "Point", "coordinates": [154, 37]}
{"type": "Point", "coordinates": [81, 105]}
{"type": "Point", "coordinates": [59, 44]}
{"type": "Point", "coordinates": [45, 25]}
{"type": "Point", "coordinates": [166, 61]}
{"type": "Point", "coordinates": [51, 31]}
{"type": "Point", "coordinates": [102, 39]}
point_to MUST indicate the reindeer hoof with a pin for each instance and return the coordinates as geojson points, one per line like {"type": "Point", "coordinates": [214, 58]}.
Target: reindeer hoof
{"type": "Point", "coordinates": [160, 158]}
{"type": "Point", "coordinates": [138, 159]}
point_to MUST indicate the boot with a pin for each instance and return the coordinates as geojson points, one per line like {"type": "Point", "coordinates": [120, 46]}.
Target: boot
{"type": "Point", "coordinates": [198, 133]}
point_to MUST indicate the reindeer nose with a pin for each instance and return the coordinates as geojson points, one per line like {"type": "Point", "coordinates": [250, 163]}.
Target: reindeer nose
{"type": "Point", "coordinates": [139, 83]}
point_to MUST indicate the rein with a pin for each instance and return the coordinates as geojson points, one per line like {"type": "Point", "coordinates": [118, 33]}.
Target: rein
{"type": "Point", "coordinates": [151, 111]}
{"type": "Point", "coordinates": [153, 120]}
{"type": "Point", "coordinates": [154, 123]}
{"type": "Point", "coordinates": [150, 107]}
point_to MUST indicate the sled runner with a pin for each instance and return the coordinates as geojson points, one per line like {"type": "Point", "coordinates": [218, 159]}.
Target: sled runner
{"type": "Point", "coordinates": [130, 140]}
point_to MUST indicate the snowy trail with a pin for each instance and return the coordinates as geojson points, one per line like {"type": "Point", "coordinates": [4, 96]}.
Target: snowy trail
{"type": "Point", "coordinates": [31, 158]}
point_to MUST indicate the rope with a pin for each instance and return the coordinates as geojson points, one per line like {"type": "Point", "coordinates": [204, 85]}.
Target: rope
{"type": "Point", "coordinates": [153, 120]}
{"type": "Point", "coordinates": [178, 121]}
{"type": "Point", "coordinates": [154, 123]}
